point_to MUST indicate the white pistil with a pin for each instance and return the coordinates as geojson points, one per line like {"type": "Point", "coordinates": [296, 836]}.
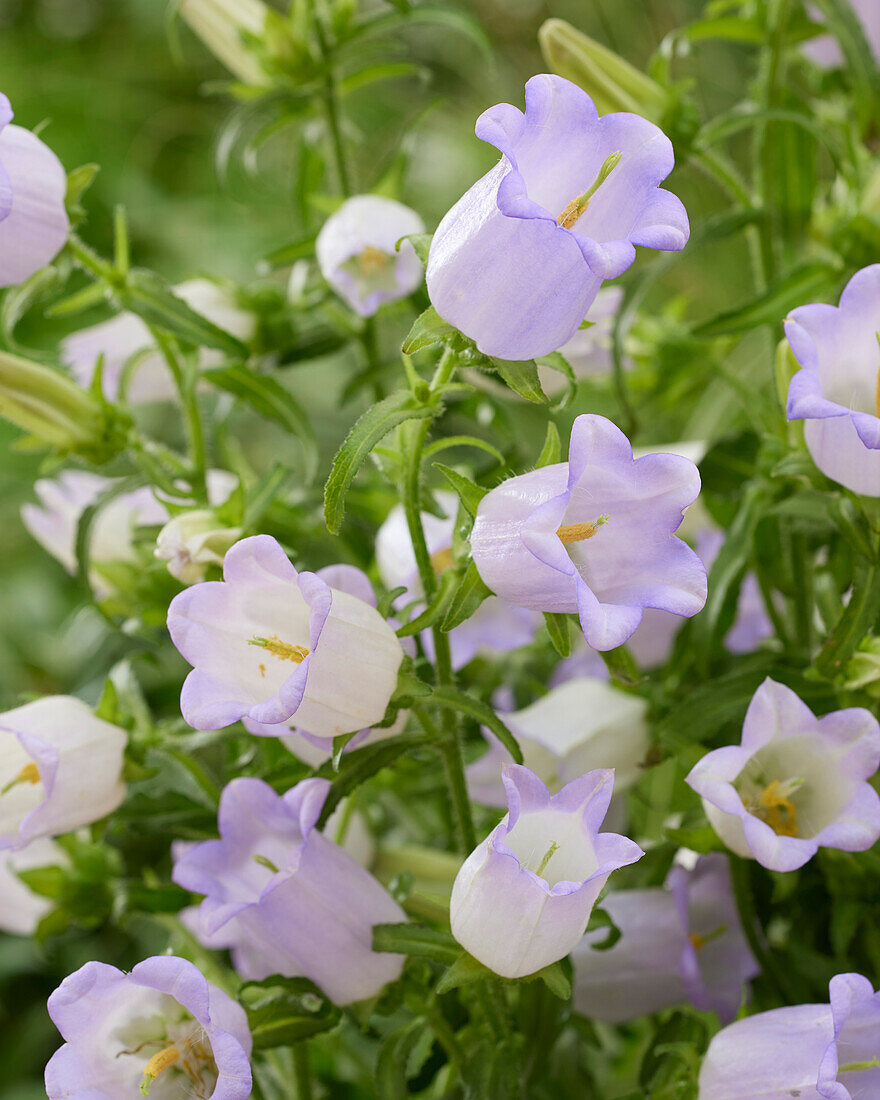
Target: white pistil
{"type": "Point", "coordinates": [577, 532]}
{"type": "Point", "coordinates": [548, 855]}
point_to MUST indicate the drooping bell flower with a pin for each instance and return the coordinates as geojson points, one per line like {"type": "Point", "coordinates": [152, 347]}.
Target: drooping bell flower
{"type": "Point", "coordinates": [21, 910]}
{"type": "Point", "coordinates": [356, 251]}
{"type": "Point", "coordinates": [495, 627]}
{"type": "Point", "coordinates": [594, 535]}
{"type": "Point", "coordinates": [33, 186]}
{"type": "Point", "coordinates": [60, 767]}
{"type": "Point", "coordinates": [523, 897]}
{"type": "Point", "coordinates": [812, 1051]}
{"type": "Point", "coordinates": [679, 944]}
{"type": "Point", "coordinates": [287, 898]}
{"type": "Point", "coordinates": [162, 1031]}
{"type": "Point", "coordinates": [589, 350]}
{"type": "Point", "coordinates": [797, 783]}
{"type": "Point", "coordinates": [131, 362]}
{"type": "Point", "coordinates": [825, 50]}
{"type": "Point", "coordinates": [518, 260]}
{"type": "Point", "coordinates": [836, 392]}
{"type": "Point", "coordinates": [581, 725]}
{"type": "Point", "coordinates": [267, 643]}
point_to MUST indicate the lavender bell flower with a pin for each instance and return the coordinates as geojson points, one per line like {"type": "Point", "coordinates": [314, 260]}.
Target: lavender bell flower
{"type": "Point", "coordinates": [285, 897]}
{"type": "Point", "coordinates": [580, 725]}
{"type": "Point", "coordinates": [523, 897]}
{"type": "Point", "coordinates": [356, 251]}
{"type": "Point", "coordinates": [495, 627]}
{"type": "Point", "coordinates": [813, 1051]}
{"type": "Point", "coordinates": [589, 350]}
{"type": "Point", "coordinates": [836, 392]}
{"type": "Point", "coordinates": [518, 260]}
{"type": "Point", "coordinates": [33, 185]}
{"type": "Point", "coordinates": [680, 944]}
{"type": "Point", "coordinates": [795, 784]}
{"type": "Point", "coordinates": [60, 767]}
{"type": "Point", "coordinates": [129, 351]}
{"type": "Point", "coordinates": [825, 50]}
{"type": "Point", "coordinates": [21, 910]}
{"type": "Point", "coordinates": [594, 535]}
{"type": "Point", "coordinates": [161, 1031]}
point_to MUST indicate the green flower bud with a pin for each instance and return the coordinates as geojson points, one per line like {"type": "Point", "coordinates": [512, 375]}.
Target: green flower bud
{"type": "Point", "coordinates": [863, 670]}
{"type": "Point", "coordinates": [223, 26]}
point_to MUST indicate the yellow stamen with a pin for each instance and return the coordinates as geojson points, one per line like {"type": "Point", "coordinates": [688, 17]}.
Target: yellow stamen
{"type": "Point", "coordinates": [442, 560]}
{"type": "Point", "coordinates": [160, 1061]}
{"type": "Point", "coordinates": [774, 807]}
{"type": "Point", "coordinates": [576, 207]}
{"type": "Point", "coordinates": [372, 261]}
{"type": "Point", "coordinates": [577, 532]}
{"type": "Point", "coordinates": [699, 941]}
{"type": "Point", "coordinates": [30, 773]}
{"type": "Point", "coordinates": [284, 651]}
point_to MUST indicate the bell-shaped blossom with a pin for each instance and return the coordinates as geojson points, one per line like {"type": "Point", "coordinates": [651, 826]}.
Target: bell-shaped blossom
{"type": "Point", "coordinates": [495, 627]}
{"type": "Point", "coordinates": [679, 944]}
{"type": "Point", "coordinates": [523, 897]}
{"type": "Point", "coordinates": [267, 643]}
{"type": "Point", "coordinates": [129, 352]}
{"type": "Point", "coordinates": [594, 535]}
{"type": "Point", "coordinates": [60, 767]}
{"type": "Point", "coordinates": [836, 391]}
{"type": "Point", "coordinates": [33, 186]}
{"type": "Point", "coordinates": [517, 262]}
{"type": "Point", "coordinates": [825, 50]}
{"type": "Point", "coordinates": [357, 252]}
{"type": "Point", "coordinates": [192, 541]}
{"type": "Point", "coordinates": [21, 910]}
{"type": "Point", "coordinates": [161, 1031]}
{"type": "Point", "coordinates": [797, 783]}
{"type": "Point", "coordinates": [581, 725]}
{"type": "Point", "coordinates": [813, 1051]}
{"type": "Point", "coordinates": [589, 350]}
{"type": "Point", "coordinates": [289, 900]}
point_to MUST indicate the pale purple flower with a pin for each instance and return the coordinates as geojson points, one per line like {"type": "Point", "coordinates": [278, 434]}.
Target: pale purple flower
{"type": "Point", "coordinates": [287, 899]}
{"type": "Point", "coordinates": [795, 784]}
{"type": "Point", "coordinates": [523, 897]}
{"type": "Point", "coordinates": [21, 910]}
{"type": "Point", "coordinates": [495, 627]}
{"type": "Point", "coordinates": [267, 643]}
{"type": "Point", "coordinates": [163, 1025]}
{"type": "Point", "coordinates": [60, 767]}
{"type": "Point", "coordinates": [814, 1051]}
{"type": "Point", "coordinates": [679, 944]}
{"type": "Point", "coordinates": [356, 251]}
{"type": "Point", "coordinates": [825, 50]}
{"type": "Point", "coordinates": [518, 260]}
{"type": "Point", "coordinates": [836, 391]}
{"type": "Point", "coordinates": [589, 350]}
{"type": "Point", "coordinates": [128, 348]}
{"type": "Point", "coordinates": [578, 726]}
{"type": "Point", "coordinates": [33, 186]}
{"type": "Point", "coordinates": [594, 535]}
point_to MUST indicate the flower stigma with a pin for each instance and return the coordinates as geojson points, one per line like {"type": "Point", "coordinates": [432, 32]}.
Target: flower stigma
{"type": "Point", "coordinates": [548, 855]}
{"type": "Point", "coordinates": [577, 206]}
{"type": "Point", "coordinates": [30, 773]}
{"type": "Point", "coordinates": [284, 651]}
{"type": "Point", "coordinates": [577, 532]}
{"type": "Point", "coordinates": [854, 1067]}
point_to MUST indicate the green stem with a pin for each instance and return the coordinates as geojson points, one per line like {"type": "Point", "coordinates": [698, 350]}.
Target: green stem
{"type": "Point", "coordinates": [493, 1014]}
{"type": "Point", "coordinates": [330, 97]}
{"type": "Point", "coordinates": [192, 416]}
{"type": "Point", "coordinates": [745, 903]}
{"type": "Point", "coordinates": [302, 1071]}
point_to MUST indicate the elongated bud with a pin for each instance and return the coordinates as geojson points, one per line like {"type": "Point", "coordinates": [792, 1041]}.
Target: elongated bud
{"type": "Point", "coordinates": [223, 26]}
{"type": "Point", "coordinates": [610, 81]}
{"type": "Point", "coordinates": [56, 411]}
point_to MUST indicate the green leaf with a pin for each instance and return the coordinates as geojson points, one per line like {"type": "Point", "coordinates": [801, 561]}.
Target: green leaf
{"type": "Point", "coordinates": [282, 1011]}
{"type": "Point", "coordinates": [557, 627]}
{"type": "Point", "coordinates": [260, 496]}
{"type": "Point", "coordinates": [464, 971]}
{"type": "Point", "coordinates": [154, 301]}
{"type": "Point", "coordinates": [453, 699]}
{"type": "Point", "coordinates": [339, 743]}
{"type": "Point", "coordinates": [748, 115]}
{"type": "Point", "coordinates": [470, 594]}
{"type": "Point", "coordinates": [702, 840]}
{"type": "Point", "coordinates": [416, 939]}
{"type": "Point", "coordinates": [600, 918]}
{"type": "Point", "coordinates": [860, 616]}
{"type": "Point", "coordinates": [87, 298]}
{"type": "Point", "coordinates": [385, 70]}
{"type": "Point", "coordinates": [362, 764]}
{"type": "Point", "coordinates": [390, 1079]}
{"type": "Point", "coordinates": [79, 180]}
{"type": "Point", "coordinates": [450, 441]}
{"type": "Point", "coordinates": [861, 66]}
{"type": "Point", "coordinates": [551, 452]}
{"type": "Point", "coordinates": [86, 521]}
{"type": "Point", "coordinates": [287, 254]}
{"type": "Point", "coordinates": [469, 493]}
{"type": "Point", "coordinates": [421, 242]}
{"type": "Point", "coordinates": [436, 609]}
{"type": "Point", "coordinates": [428, 328]}
{"type": "Point", "coordinates": [556, 980]}
{"type": "Point", "coordinates": [521, 375]}
{"type": "Point", "coordinates": [450, 20]}
{"type": "Point", "coordinates": [621, 666]}
{"type": "Point", "coordinates": [557, 361]}
{"type": "Point", "coordinates": [369, 430]}
{"type": "Point", "coordinates": [17, 300]}
{"type": "Point", "coordinates": [48, 882]}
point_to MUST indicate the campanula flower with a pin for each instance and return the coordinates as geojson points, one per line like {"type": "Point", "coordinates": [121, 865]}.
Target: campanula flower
{"type": "Point", "coordinates": [523, 897]}
{"type": "Point", "coordinates": [267, 643]}
{"type": "Point", "coordinates": [678, 944]}
{"type": "Point", "coordinates": [583, 724]}
{"type": "Point", "coordinates": [836, 391]}
{"type": "Point", "coordinates": [797, 783]}
{"type": "Point", "coordinates": [518, 260]}
{"type": "Point", "coordinates": [825, 50]}
{"type": "Point", "coordinates": [495, 627]}
{"type": "Point", "coordinates": [33, 185]}
{"type": "Point", "coordinates": [161, 1031]}
{"type": "Point", "coordinates": [813, 1051]}
{"type": "Point", "coordinates": [594, 535]}
{"type": "Point", "coordinates": [60, 767]}
{"type": "Point", "coordinates": [589, 350]}
{"type": "Point", "coordinates": [21, 910]}
{"type": "Point", "coordinates": [132, 365]}
{"type": "Point", "coordinates": [356, 251]}
{"type": "Point", "coordinates": [288, 899]}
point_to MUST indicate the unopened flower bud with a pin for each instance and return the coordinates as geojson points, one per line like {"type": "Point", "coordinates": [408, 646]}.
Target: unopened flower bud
{"type": "Point", "coordinates": [222, 26]}
{"type": "Point", "coordinates": [863, 670]}
{"type": "Point", "coordinates": [192, 541]}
